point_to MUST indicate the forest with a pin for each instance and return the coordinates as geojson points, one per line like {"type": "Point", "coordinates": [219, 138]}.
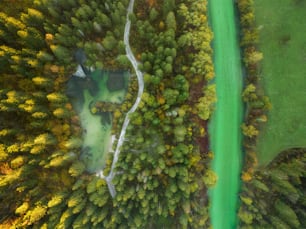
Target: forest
{"type": "Point", "coordinates": [163, 172]}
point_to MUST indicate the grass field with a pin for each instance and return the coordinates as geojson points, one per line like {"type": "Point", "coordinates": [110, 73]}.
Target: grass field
{"type": "Point", "coordinates": [282, 26]}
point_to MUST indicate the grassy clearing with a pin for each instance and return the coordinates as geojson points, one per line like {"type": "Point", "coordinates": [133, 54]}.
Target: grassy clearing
{"type": "Point", "coordinates": [283, 43]}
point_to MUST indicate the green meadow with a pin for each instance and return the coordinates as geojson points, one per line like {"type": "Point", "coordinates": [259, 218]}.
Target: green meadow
{"type": "Point", "coordinates": [282, 31]}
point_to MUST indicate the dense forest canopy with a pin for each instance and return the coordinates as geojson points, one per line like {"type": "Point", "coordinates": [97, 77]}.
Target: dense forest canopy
{"type": "Point", "coordinates": [163, 172]}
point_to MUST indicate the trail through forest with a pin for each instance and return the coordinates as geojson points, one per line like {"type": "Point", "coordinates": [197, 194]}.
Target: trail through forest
{"type": "Point", "coordinates": [225, 132]}
{"type": "Point", "coordinates": [139, 74]}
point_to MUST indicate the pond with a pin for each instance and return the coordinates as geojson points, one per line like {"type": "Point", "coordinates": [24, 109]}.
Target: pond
{"type": "Point", "coordinates": [99, 89]}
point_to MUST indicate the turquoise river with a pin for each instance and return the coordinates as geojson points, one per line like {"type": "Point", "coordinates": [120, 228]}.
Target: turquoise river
{"type": "Point", "coordinates": [225, 131]}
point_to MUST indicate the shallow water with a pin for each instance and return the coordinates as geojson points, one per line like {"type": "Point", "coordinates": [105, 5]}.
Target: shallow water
{"type": "Point", "coordinates": [96, 126]}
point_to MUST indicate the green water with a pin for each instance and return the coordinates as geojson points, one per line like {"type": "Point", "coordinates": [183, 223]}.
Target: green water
{"type": "Point", "coordinates": [96, 137]}
{"type": "Point", "coordinates": [225, 132]}
{"type": "Point", "coordinates": [96, 127]}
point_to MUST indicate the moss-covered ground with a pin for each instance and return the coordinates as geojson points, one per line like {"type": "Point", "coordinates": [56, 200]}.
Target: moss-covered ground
{"type": "Point", "coordinates": [282, 32]}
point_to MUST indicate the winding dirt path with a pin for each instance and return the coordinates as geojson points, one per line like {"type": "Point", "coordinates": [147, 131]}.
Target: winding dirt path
{"type": "Point", "coordinates": [139, 74]}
